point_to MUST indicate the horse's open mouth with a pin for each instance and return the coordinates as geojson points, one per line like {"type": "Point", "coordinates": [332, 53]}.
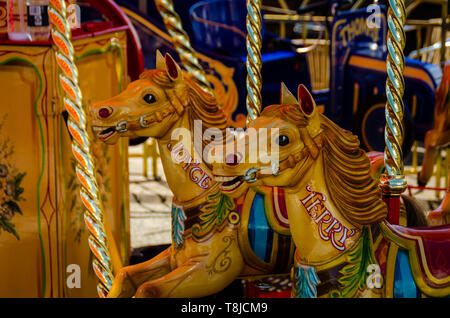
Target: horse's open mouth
{"type": "Point", "coordinates": [229, 183]}
{"type": "Point", "coordinates": [104, 134]}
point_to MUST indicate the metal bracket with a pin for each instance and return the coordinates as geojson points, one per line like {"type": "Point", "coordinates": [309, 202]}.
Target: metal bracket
{"type": "Point", "coordinates": [250, 175]}
{"type": "Point", "coordinates": [121, 127]}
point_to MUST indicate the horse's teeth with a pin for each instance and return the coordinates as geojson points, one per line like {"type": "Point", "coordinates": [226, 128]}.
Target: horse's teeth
{"type": "Point", "coordinates": [232, 186]}
{"type": "Point", "coordinates": [224, 179]}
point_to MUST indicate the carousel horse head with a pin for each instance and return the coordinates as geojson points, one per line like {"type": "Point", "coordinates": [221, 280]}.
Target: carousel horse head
{"type": "Point", "coordinates": [309, 149]}
{"type": "Point", "coordinates": [151, 105]}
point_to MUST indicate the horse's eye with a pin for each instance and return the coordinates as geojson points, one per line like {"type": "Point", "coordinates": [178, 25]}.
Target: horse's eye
{"type": "Point", "coordinates": [283, 140]}
{"type": "Point", "coordinates": [149, 98]}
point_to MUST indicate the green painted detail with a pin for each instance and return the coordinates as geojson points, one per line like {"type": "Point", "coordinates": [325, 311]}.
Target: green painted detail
{"type": "Point", "coordinates": [214, 213]}
{"type": "Point", "coordinates": [354, 274]}
{"type": "Point", "coordinates": [41, 135]}
{"type": "Point", "coordinates": [10, 184]}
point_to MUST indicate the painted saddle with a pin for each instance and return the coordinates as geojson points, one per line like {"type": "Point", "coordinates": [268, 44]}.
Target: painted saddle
{"type": "Point", "coordinates": [265, 237]}
{"type": "Point", "coordinates": [417, 259]}
{"type": "Point", "coordinates": [428, 254]}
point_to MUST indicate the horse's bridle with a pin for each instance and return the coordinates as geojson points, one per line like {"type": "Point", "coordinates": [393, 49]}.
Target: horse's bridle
{"type": "Point", "coordinates": [144, 121]}
{"type": "Point", "coordinates": [312, 146]}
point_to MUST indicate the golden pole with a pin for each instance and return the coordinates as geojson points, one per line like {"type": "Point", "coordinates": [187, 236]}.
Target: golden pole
{"type": "Point", "coordinates": [85, 170]}
{"type": "Point", "coordinates": [393, 183]}
{"type": "Point", "coordinates": [284, 6]}
{"type": "Point", "coordinates": [254, 63]}
{"type": "Point", "coordinates": [182, 44]}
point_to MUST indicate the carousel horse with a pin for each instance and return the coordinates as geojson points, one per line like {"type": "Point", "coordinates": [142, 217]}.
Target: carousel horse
{"type": "Point", "coordinates": [436, 139]}
{"type": "Point", "coordinates": [207, 251]}
{"type": "Point", "coordinates": [334, 209]}
{"type": "Point", "coordinates": [215, 239]}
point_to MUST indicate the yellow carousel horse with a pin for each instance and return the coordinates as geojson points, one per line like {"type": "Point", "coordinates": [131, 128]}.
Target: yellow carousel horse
{"type": "Point", "coordinates": [335, 211]}
{"type": "Point", "coordinates": [436, 139]}
{"type": "Point", "coordinates": [207, 252]}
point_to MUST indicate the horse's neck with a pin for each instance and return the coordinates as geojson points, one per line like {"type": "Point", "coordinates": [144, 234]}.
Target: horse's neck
{"type": "Point", "coordinates": [318, 227]}
{"type": "Point", "coordinates": [188, 177]}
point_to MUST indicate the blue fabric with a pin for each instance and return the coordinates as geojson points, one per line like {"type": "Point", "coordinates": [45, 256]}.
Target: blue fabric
{"type": "Point", "coordinates": [259, 232]}
{"type": "Point", "coordinates": [404, 285]}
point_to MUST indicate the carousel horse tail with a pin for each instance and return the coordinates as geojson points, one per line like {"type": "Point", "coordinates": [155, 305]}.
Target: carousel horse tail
{"type": "Point", "coordinates": [415, 212]}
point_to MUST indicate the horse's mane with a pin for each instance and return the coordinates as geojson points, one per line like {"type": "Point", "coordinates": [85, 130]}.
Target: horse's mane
{"type": "Point", "coordinates": [346, 168]}
{"type": "Point", "coordinates": [347, 173]}
{"type": "Point", "coordinates": [203, 106]}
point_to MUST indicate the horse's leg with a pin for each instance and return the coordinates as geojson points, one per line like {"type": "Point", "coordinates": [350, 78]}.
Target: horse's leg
{"type": "Point", "coordinates": [131, 277]}
{"type": "Point", "coordinates": [199, 276]}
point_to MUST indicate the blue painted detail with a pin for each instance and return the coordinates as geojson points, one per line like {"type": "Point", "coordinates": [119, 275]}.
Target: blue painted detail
{"type": "Point", "coordinates": [260, 234]}
{"type": "Point", "coordinates": [404, 285]}
{"type": "Point", "coordinates": [306, 281]}
{"type": "Point", "coordinates": [178, 218]}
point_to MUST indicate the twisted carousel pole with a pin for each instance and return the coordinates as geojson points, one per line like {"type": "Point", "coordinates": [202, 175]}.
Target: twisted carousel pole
{"type": "Point", "coordinates": [85, 169]}
{"type": "Point", "coordinates": [182, 44]}
{"type": "Point", "coordinates": [393, 183]}
{"type": "Point", "coordinates": [254, 63]}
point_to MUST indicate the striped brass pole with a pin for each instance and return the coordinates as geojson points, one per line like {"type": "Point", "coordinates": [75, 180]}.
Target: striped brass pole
{"type": "Point", "coordinates": [85, 169]}
{"type": "Point", "coordinates": [254, 63]}
{"type": "Point", "coordinates": [393, 183]}
{"type": "Point", "coordinates": [182, 44]}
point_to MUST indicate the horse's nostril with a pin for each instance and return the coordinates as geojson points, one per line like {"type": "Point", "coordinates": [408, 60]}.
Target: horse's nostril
{"type": "Point", "coordinates": [104, 112]}
{"type": "Point", "coordinates": [232, 160]}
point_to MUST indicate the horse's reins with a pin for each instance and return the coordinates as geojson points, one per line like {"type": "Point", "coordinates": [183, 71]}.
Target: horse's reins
{"type": "Point", "coordinates": [311, 148]}
{"type": "Point", "coordinates": [144, 121]}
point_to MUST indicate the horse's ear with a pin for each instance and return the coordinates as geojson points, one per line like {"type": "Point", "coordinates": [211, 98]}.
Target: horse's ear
{"type": "Point", "coordinates": [172, 68]}
{"type": "Point", "coordinates": [160, 62]}
{"type": "Point", "coordinates": [305, 101]}
{"type": "Point", "coordinates": [286, 96]}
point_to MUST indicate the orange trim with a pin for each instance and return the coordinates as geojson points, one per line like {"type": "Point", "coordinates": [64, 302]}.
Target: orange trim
{"type": "Point", "coordinates": [87, 204]}
{"type": "Point", "coordinates": [355, 97]}
{"type": "Point", "coordinates": [378, 65]}
{"type": "Point", "coordinates": [414, 106]}
{"type": "Point", "coordinates": [72, 111]}
{"type": "Point", "coordinates": [76, 135]}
